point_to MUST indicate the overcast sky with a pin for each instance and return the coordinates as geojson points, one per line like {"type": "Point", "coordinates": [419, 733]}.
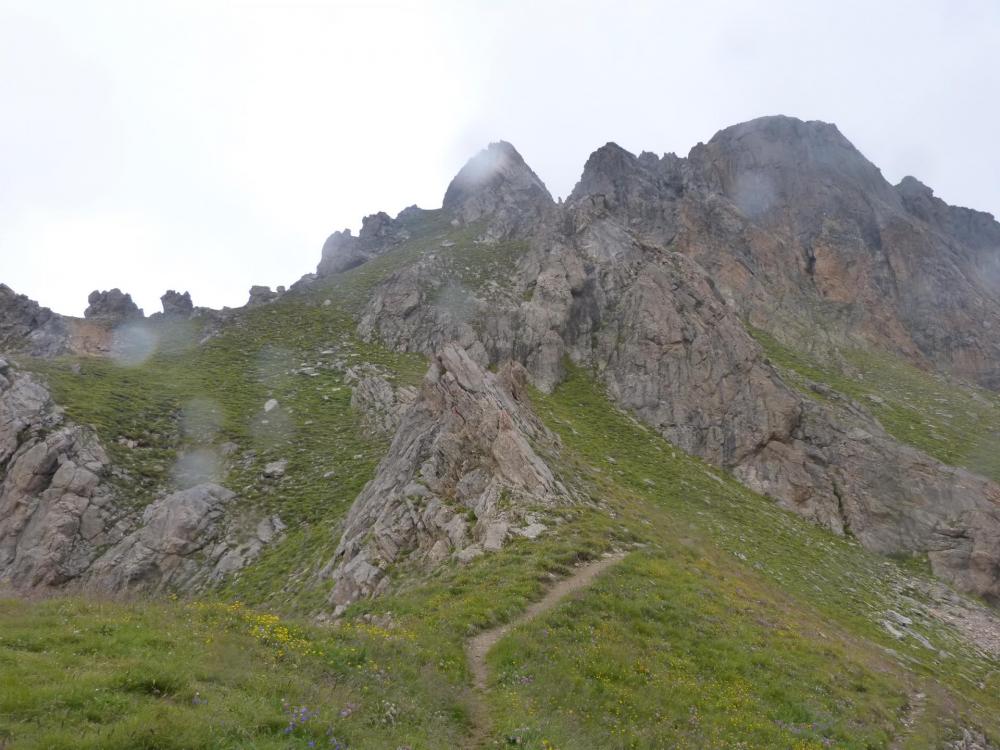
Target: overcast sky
{"type": "Point", "coordinates": [208, 146]}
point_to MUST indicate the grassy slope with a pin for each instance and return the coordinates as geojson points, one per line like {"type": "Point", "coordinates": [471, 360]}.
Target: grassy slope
{"type": "Point", "coordinates": [956, 424]}
{"type": "Point", "coordinates": [733, 624]}
{"type": "Point", "coordinates": [170, 675]}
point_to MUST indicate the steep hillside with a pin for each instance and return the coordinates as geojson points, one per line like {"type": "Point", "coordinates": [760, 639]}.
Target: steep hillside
{"type": "Point", "coordinates": [753, 385]}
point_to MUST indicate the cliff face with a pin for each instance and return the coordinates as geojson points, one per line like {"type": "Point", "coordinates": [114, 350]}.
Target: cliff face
{"type": "Point", "coordinates": [805, 238]}
{"type": "Point", "coordinates": [649, 275]}
{"type": "Point", "coordinates": [459, 479]}
{"type": "Point", "coordinates": [650, 269]}
{"type": "Point", "coordinates": [64, 523]}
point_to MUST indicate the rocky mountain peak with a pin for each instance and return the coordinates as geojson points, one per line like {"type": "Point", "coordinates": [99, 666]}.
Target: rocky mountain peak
{"type": "Point", "coordinates": [604, 171]}
{"type": "Point", "coordinates": [781, 161]}
{"type": "Point", "coordinates": [497, 185]}
{"type": "Point", "coordinates": [910, 185]}
{"type": "Point", "coordinates": [623, 179]}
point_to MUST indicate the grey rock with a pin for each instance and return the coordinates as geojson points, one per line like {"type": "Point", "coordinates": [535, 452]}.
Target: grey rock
{"type": "Point", "coordinates": [56, 511]}
{"type": "Point", "coordinates": [176, 305]}
{"type": "Point", "coordinates": [379, 233]}
{"type": "Point", "coordinates": [27, 326]}
{"type": "Point", "coordinates": [618, 282]}
{"type": "Point", "coordinates": [469, 554]}
{"type": "Point", "coordinates": [495, 535]}
{"type": "Point", "coordinates": [164, 551]}
{"type": "Point", "coordinates": [276, 469]}
{"type": "Point", "coordinates": [497, 187]}
{"type": "Point", "coordinates": [972, 740]}
{"type": "Point", "coordinates": [531, 531]}
{"type": "Point", "coordinates": [380, 404]}
{"type": "Point", "coordinates": [465, 442]}
{"type": "Point", "coordinates": [62, 525]}
{"type": "Point", "coordinates": [112, 306]}
{"type": "Point", "coordinates": [261, 295]}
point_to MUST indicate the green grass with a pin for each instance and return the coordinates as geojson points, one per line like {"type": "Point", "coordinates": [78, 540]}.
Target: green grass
{"type": "Point", "coordinates": [672, 649]}
{"type": "Point", "coordinates": [735, 624]}
{"type": "Point", "coordinates": [731, 624]}
{"type": "Point", "coordinates": [190, 399]}
{"type": "Point", "coordinates": [183, 401]}
{"type": "Point", "coordinates": [954, 422]}
{"type": "Point", "coordinates": [169, 675]}
{"type": "Point", "coordinates": [765, 628]}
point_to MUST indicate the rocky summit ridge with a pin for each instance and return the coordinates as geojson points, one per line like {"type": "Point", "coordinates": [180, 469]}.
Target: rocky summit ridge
{"type": "Point", "coordinates": [654, 275]}
{"type": "Point", "coordinates": [756, 388]}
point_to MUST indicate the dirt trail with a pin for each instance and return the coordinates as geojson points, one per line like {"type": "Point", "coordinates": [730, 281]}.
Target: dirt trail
{"type": "Point", "coordinates": [913, 711]}
{"type": "Point", "coordinates": [479, 646]}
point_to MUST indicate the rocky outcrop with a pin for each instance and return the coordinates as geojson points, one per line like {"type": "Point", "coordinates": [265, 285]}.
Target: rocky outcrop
{"type": "Point", "coordinates": [840, 468]}
{"type": "Point", "coordinates": [27, 326]}
{"type": "Point", "coordinates": [972, 740]}
{"type": "Point", "coordinates": [803, 235]}
{"type": "Point", "coordinates": [379, 234]}
{"type": "Point", "coordinates": [111, 307]}
{"type": "Point", "coordinates": [417, 310]}
{"type": "Point", "coordinates": [176, 305]}
{"type": "Point", "coordinates": [496, 187]}
{"type": "Point", "coordinates": [169, 547]}
{"type": "Point", "coordinates": [261, 295]}
{"type": "Point", "coordinates": [63, 524]}
{"type": "Point", "coordinates": [460, 477]}
{"type": "Point", "coordinates": [644, 277]}
{"type": "Point", "coordinates": [380, 405]}
{"type": "Point", "coordinates": [56, 510]}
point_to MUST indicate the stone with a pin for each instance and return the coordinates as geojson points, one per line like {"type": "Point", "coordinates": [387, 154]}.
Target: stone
{"type": "Point", "coordinates": [532, 531]}
{"type": "Point", "coordinates": [56, 511]}
{"type": "Point", "coordinates": [380, 404]}
{"type": "Point", "coordinates": [469, 554]}
{"type": "Point", "coordinates": [466, 436]}
{"type": "Point", "coordinates": [176, 305]}
{"type": "Point", "coordinates": [27, 326]}
{"type": "Point", "coordinates": [276, 469]}
{"type": "Point", "coordinates": [62, 525]}
{"type": "Point", "coordinates": [496, 186]}
{"type": "Point", "coordinates": [972, 740]}
{"type": "Point", "coordinates": [379, 233]}
{"type": "Point", "coordinates": [616, 281]}
{"type": "Point", "coordinates": [261, 295]}
{"type": "Point", "coordinates": [113, 306]}
{"type": "Point", "coordinates": [163, 550]}
{"type": "Point", "coordinates": [495, 536]}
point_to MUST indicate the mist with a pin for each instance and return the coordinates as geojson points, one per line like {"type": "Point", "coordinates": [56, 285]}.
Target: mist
{"type": "Point", "coordinates": [211, 146]}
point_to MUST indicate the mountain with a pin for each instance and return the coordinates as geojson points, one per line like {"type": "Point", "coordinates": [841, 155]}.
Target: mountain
{"type": "Point", "coordinates": [760, 378]}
